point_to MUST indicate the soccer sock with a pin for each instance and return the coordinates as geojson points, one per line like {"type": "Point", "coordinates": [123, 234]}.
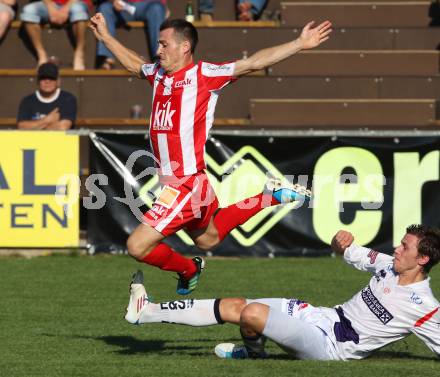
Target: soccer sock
{"type": "Point", "coordinates": [167, 259]}
{"type": "Point", "coordinates": [236, 214]}
{"type": "Point", "coordinates": [184, 312]}
{"type": "Point", "coordinates": [254, 344]}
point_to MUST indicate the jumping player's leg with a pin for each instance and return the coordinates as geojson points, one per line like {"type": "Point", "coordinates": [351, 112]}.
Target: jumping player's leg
{"type": "Point", "coordinates": [145, 245]}
{"type": "Point", "coordinates": [173, 210]}
{"type": "Point", "coordinates": [228, 218]}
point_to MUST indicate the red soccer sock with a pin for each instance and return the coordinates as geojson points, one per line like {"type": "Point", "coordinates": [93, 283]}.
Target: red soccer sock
{"type": "Point", "coordinates": [236, 214]}
{"type": "Point", "coordinates": [167, 259]}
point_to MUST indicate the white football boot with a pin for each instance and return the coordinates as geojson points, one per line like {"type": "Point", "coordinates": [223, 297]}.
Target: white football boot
{"type": "Point", "coordinates": [138, 298]}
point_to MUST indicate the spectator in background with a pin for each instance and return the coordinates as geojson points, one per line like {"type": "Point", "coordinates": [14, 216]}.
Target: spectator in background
{"type": "Point", "coordinates": [250, 10]}
{"type": "Point", "coordinates": [115, 12]}
{"type": "Point", "coordinates": [49, 108]}
{"type": "Point", "coordinates": [246, 10]}
{"type": "Point", "coordinates": [7, 14]}
{"type": "Point", "coordinates": [57, 13]}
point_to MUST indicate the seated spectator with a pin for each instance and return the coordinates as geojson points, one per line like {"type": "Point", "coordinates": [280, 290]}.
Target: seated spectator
{"type": "Point", "coordinates": [7, 14]}
{"type": "Point", "coordinates": [49, 108]}
{"type": "Point", "coordinates": [116, 12]}
{"type": "Point", "coordinates": [250, 10]}
{"type": "Point", "coordinates": [247, 10]}
{"type": "Point", "coordinates": [57, 13]}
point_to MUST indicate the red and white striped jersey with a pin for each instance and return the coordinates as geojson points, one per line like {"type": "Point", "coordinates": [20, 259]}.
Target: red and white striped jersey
{"type": "Point", "coordinates": [183, 112]}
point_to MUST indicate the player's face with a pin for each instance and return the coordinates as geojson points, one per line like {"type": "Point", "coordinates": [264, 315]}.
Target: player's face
{"type": "Point", "coordinates": [171, 50]}
{"type": "Point", "coordinates": [47, 87]}
{"type": "Point", "coordinates": [406, 255]}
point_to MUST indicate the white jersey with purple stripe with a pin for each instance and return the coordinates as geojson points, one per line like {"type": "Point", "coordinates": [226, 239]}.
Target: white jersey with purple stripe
{"type": "Point", "coordinates": [384, 311]}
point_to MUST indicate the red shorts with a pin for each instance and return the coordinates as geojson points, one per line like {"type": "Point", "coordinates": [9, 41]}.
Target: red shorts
{"type": "Point", "coordinates": [187, 202]}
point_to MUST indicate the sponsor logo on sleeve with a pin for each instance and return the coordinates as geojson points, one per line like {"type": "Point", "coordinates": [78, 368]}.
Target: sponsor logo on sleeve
{"type": "Point", "coordinates": [372, 255]}
{"type": "Point", "coordinates": [210, 69]}
{"type": "Point", "coordinates": [375, 306]}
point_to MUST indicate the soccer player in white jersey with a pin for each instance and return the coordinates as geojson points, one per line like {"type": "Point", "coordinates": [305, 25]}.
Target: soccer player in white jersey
{"type": "Point", "coordinates": [397, 302]}
{"type": "Point", "coordinates": [184, 98]}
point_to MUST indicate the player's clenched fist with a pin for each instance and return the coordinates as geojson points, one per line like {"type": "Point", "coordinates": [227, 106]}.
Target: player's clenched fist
{"type": "Point", "coordinates": [99, 26]}
{"type": "Point", "coordinates": [341, 241]}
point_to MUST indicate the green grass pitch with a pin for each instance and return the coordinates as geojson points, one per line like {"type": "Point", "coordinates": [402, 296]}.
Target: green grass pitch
{"type": "Point", "coordinates": [63, 316]}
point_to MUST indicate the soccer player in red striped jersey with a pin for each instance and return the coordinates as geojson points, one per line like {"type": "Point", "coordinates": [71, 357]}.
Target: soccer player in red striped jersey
{"type": "Point", "coordinates": [184, 98]}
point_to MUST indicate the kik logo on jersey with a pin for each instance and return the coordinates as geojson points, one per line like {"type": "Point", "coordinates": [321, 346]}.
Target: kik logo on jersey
{"type": "Point", "coordinates": [163, 116]}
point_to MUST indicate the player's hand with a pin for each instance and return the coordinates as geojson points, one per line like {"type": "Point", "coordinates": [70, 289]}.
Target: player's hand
{"type": "Point", "coordinates": [341, 241]}
{"type": "Point", "coordinates": [99, 26]}
{"type": "Point", "coordinates": [313, 37]}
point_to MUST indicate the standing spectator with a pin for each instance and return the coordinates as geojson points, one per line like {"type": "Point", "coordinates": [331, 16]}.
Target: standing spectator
{"type": "Point", "coordinates": [7, 14]}
{"type": "Point", "coordinates": [115, 12]}
{"type": "Point", "coordinates": [49, 108]}
{"type": "Point", "coordinates": [247, 10]}
{"type": "Point", "coordinates": [58, 13]}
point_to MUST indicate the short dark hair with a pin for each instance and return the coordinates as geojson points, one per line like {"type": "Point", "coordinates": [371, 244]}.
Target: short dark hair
{"type": "Point", "coordinates": [429, 243]}
{"type": "Point", "coordinates": [184, 29]}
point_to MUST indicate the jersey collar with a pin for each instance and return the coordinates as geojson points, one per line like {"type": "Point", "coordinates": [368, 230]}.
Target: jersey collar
{"type": "Point", "coordinates": [50, 99]}
{"type": "Point", "coordinates": [184, 69]}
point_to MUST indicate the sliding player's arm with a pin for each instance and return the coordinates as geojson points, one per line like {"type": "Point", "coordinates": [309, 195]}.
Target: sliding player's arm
{"type": "Point", "coordinates": [360, 257]}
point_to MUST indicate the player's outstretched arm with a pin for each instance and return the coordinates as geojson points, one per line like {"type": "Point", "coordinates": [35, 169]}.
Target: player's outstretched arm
{"type": "Point", "coordinates": [310, 37]}
{"type": "Point", "coordinates": [129, 59]}
{"type": "Point", "coordinates": [341, 240]}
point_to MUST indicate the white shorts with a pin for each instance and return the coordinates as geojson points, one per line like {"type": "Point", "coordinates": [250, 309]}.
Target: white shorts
{"type": "Point", "coordinates": [300, 329]}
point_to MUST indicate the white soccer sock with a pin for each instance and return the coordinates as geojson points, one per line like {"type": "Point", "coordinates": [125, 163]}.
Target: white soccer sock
{"type": "Point", "coordinates": [185, 312]}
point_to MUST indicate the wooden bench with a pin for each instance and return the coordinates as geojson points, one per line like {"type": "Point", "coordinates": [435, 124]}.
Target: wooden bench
{"type": "Point", "coordinates": [343, 112]}
{"type": "Point", "coordinates": [98, 98]}
{"type": "Point", "coordinates": [198, 24]}
{"type": "Point", "coordinates": [360, 63]}
{"type": "Point", "coordinates": [358, 13]}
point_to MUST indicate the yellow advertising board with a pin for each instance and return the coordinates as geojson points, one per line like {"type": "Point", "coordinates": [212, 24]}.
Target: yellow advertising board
{"type": "Point", "coordinates": [39, 201]}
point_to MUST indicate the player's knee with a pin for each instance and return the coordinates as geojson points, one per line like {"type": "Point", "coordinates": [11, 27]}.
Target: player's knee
{"type": "Point", "coordinates": [207, 245]}
{"type": "Point", "coordinates": [231, 308]}
{"type": "Point", "coordinates": [136, 248]}
{"type": "Point", "coordinates": [208, 242]}
{"type": "Point", "coordinates": [251, 314]}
